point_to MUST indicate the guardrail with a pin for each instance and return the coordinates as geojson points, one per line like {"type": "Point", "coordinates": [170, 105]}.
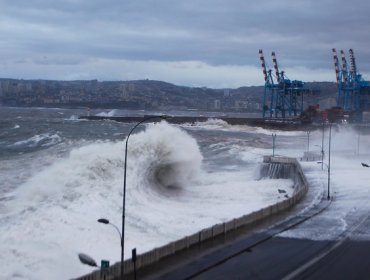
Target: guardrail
{"type": "Point", "coordinates": [290, 167]}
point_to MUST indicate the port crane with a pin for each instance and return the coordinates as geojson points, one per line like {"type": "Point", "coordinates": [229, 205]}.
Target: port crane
{"type": "Point", "coordinates": [282, 96]}
{"type": "Point", "coordinates": [353, 93]}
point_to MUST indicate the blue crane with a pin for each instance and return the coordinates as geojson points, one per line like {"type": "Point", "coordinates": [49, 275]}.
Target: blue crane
{"type": "Point", "coordinates": [353, 91]}
{"type": "Point", "coordinates": [282, 97]}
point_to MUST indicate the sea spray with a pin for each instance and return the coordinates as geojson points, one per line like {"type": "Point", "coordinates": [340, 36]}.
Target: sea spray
{"type": "Point", "coordinates": [111, 113]}
{"type": "Point", "coordinates": [162, 155]}
{"type": "Point", "coordinates": [166, 155]}
{"type": "Point", "coordinates": [74, 183]}
{"type": "Point", "coordinates": [65, 198]}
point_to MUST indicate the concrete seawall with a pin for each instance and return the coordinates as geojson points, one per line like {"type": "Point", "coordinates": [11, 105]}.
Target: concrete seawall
{"type": "Point", "coordinates": [273, 167]}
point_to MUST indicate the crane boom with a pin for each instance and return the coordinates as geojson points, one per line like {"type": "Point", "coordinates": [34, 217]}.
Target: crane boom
{"type": "Point", "coordinates": [262, 59]}
{"type": "Point", "coordinates": [352, 61]}
{"type": "Point", "coordinates": [344, 65]}
{"type": "Point", "coordinates": [274, 61]}
{"type": "Point", "coordinates": [336, 64]}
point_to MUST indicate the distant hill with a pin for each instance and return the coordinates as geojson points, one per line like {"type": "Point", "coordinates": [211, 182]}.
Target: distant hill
{"type": "Point", "coordinates": [146, 94]}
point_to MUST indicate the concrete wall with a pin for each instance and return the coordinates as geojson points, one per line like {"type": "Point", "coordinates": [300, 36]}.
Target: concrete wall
{"type": "Point", "coordinates": [275, 167]}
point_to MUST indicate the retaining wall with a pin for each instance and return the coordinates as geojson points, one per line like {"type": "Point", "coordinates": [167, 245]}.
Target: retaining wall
{"type": "Point", "coordinates": [273, 167]}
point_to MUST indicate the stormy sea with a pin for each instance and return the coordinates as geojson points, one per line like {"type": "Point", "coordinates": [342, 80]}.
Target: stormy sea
{"type": "Point", "coordinates": [59, 174]}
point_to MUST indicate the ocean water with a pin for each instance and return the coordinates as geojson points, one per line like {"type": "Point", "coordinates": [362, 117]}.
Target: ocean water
{"type": "Point", "coordinates": [58, 175]}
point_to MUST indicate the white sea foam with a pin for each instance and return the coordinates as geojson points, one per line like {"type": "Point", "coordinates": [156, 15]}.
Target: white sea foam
{"type": "Point", "coordinates": [74, 118]}
{"type": "Point", "coordinates": [167, 154]}
{"type": "Point", "coordinates": [214, 123]}
{"type": "Point", "coordinates": [111, 113]}
{"type": "Point", "coordinates": [45, 139]}
{"type": "Point", "coordinates": [348, 186]}
{"type": "Point", "coordinates": [53, 214]}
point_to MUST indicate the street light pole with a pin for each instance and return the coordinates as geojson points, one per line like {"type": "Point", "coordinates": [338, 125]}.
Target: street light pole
{"type": "Point", "coordinates": [273, 144]}
{"type": "Point", "coordinates": [124, 190]}
{"type": "Point", "coordinates": [330, 125]}
{"type": "Point", "coordinates": [358, 144]}
{"type": "Point", "coordinates": [327, 166]}
{"type": "Point", "coordinates": [308, 140]}
{"type": "Point", "coordinates": [322, 147]}
{"type": "Point", "coordinates": [107, 222]}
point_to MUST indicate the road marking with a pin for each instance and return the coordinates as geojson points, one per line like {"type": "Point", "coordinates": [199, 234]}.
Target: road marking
{"type": "Point", "coordinates": [304, 267]}
{"type": "Point", "coordinates": [345, 236]}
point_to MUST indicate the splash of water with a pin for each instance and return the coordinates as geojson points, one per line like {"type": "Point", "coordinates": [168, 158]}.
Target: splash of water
{"type": "Point", "coordinates": [111, 113]}
{"type": "Point", "coordinates": [161, 157]}
{"type": "Point", "coordinates": [166, 155]}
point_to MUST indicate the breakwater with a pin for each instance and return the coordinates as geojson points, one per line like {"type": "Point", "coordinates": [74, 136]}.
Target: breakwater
{"type": "Point", "coordinates": [272, 167]}
{"type": "Point", "coordinates": [273, 123]}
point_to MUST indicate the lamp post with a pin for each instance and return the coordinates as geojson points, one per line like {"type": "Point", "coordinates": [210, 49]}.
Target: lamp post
{"type": "Point", "coordinates": [365, 164]}
{"type": "Point", "coordinates": [322, 146]}
{"type": "Point", "coordinates": [330, 125]}
{"type": "Point", "coordinates": [107, 222]}
{"type": "Point", "coordinates": [273, 143]}
{"type": "Point", "coordinates": [358, 143]}
{"type": "Point", "coordinates": [124, 189]}
{"type": "Point", "coordinates": [308, 140]}
{"type": "Point", "coordinates": [86, 259]}
{"type": "Point", "coordinates": [328, 165]}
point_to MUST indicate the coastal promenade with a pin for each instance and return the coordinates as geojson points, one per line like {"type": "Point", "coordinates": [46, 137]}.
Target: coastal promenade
{"type": "Point", "coordinates": [330, 240]}
{"type": "Point", "coordinates": [316, 239]}
{"type": "Point", "coordinates": [222, 236]}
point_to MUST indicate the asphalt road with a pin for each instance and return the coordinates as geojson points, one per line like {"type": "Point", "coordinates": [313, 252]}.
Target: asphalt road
{"type": "Point", "coordinates": [267, 255]}
{"type": "Point", "coordinates": [285, 258]}
{"type": "Point", "coordinates": [273, 259]}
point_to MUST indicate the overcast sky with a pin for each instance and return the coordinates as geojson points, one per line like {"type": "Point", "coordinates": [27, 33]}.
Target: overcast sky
{"type": "Point", "coordinates": [211, 43]}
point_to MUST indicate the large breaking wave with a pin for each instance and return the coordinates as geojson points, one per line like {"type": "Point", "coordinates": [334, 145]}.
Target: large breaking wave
{"type": "Point", "coordinates": [65, 198]}
{"type": "Point", "coordinates": [164, 155]}
{"type": "Point", "coordinates": [52, 216]}
{"type": "Point", "coordinates": [160, 158]}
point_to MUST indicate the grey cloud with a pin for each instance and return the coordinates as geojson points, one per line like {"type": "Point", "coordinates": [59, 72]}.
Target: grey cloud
{"type": "Point", "coordinates": [217, 32]}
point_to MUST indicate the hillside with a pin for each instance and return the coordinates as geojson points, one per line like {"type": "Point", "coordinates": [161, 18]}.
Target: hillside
{"type": "Point", "coordinates": [145, 94]}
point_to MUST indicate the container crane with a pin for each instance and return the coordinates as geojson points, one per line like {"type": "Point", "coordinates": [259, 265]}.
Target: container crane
{"type": "Point", "coordinates": [282, 97]}
{"type": "Point", "coordinates": [353, 91]}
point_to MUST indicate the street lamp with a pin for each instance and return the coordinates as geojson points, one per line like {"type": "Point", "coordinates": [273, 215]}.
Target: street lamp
{"type": "Point", "coordinates": [107, 222]}
{"type": "Point", "coordinates": [86, 259]}
{"type": "Point", "coordinates": [124, 189]}
{"type": "Point", "coordinates": [328, 167]}
{"type": "Point", "coordinates": [364, 164]}
{"type": "Point", "coordinates": [322, 155]}
{"type": "Point", "coordinates": [358, 144]}
{"type": "Point", "coordinates": [322, 146]}
{"type": "Point", "coordinates": [308, 140]}
{"type": "Point", "coordinates": [273, 143]}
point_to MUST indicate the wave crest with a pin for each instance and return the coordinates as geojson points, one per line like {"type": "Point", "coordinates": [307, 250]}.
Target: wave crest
{"type": "Point", "coordinates": [44, 139]}
{"type": "Point", "coordinates": [111, 113]}
{"type": "Point", "coordinates": [165, 155]}
{"type": "Point", "coordinates": [159, 158]}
